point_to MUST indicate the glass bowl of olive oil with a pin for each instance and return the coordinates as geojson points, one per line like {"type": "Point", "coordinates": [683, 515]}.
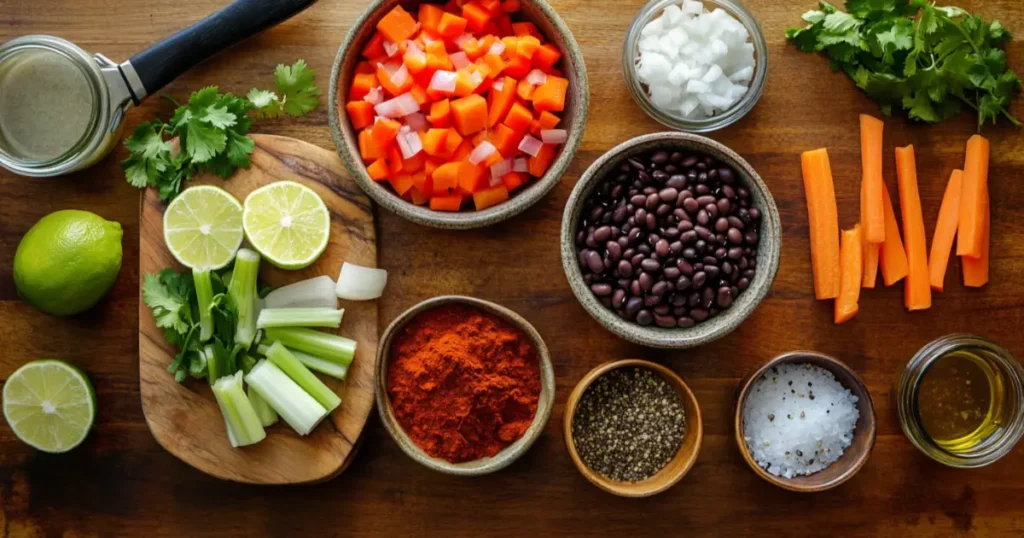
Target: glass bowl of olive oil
{"type": "Point", "coordinates": [961, 401]}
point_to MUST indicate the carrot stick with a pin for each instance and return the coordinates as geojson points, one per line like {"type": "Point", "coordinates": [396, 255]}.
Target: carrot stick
{"type": "Point", "coordinates": [976, 269]}
{"type": "Point", "coordinates": [892, 257]}
{"type": "Point", "coordinates": [945, 231]}
{"type": "Point", "coordinates": [872, 217]}
{"type": "Point", "coordinates": [850, 280]}
{"type": "Point", "coordinates": [917, 295]}
{"type": "Point", "coordinates": [824, 222]}
{"type": "Point", "coordinates": [871, 250]}
{"type": "Point", "coordinates": [971, 227]}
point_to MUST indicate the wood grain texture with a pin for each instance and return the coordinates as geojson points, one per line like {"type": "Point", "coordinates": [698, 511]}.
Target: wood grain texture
{"type": "Point", "coordinates": [121, 483]}
{"type": "Point", "coordinates": [184, 418]}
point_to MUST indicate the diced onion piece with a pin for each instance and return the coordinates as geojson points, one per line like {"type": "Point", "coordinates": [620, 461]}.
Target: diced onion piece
{"type": "Point", "coordinates": [536, 77]}
{"type": "Point", "coordinates": [530, 146]}
{"type": "Point", "coordinates": [497, 48]}
{"type": "Point", "coordinates": [501, 168]}
{"type": "Point", "coordinates": [554, 136]}
{"type": "Point", "coordinates": [413, 51]}
{"type": "Point", "coordinates": [495, 181]}
{"type": "Point", "coordinates": [460, 60]}
{"type": "Point", "coordinates": [520, 165]}
{"type": "Point", "coordinates": [390, 48]}
{"type": "Point", "coordinates": [482, 152]}
{"type": "Point", "coordinates": [417, 122]}
{"type": "Point", "coordinates": [499, 85]}
{"type": "Point", "coordinates": [410, 144]}
{"type": "Point", "coordinates": [358, 283]}
{"type": "Point", "coordinates": [427, 39]}
{"type": "Point", "coordinates": [463, 39]}
{"type": "Point", "coordinates": [311, 293]}
{"type": "Point", "coordinates": [398, 107]}
{"type": "Point", "coordinates": [390, 67]}
{"type": "Point", "coordinates": [401, 76]}
{"type": "Point", "coordinates": [476, 78]}
{"type": "Point", "coordinates": [442, 81]}
{"type": "Point", "coordinates": [375, 96]}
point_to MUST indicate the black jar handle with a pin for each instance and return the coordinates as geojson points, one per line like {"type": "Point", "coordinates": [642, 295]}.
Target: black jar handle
{"type": "Point", "coordinates": [158, 65]}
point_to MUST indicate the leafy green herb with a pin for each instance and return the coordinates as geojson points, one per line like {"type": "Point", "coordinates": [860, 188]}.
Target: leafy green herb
{"type": "Point", "coordinates": [914, 56]}
{"type": "Point", "coordinates": [210, 132]}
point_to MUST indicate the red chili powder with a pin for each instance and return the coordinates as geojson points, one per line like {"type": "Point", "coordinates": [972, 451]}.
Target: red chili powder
{"type": "Point", "coordinates": [463, 383]}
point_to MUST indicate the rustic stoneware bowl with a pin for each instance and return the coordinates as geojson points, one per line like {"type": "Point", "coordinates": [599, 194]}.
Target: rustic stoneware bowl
{"type": "Point", "coordinates": [680, 464]}
{"type": "Point", "coordinates": [574, 118]}
{"type": "Point", "coordinates": [769, 246]}
{"type": "Point", "coordinates": [863, 435]}
{"type": "Point", "coordinates": [484, 465]}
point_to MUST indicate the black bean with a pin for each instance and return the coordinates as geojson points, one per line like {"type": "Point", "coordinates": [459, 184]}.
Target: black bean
{"type": "Point", "coordinates": [601, 290]}
{"type": "Point", "coordinates": [727, 268]}
{"type": "Point", "coordinates": [702, 217]}
{"type": "Point", "coordinates": [659, 176]}
{"type": "Point", "coordinates": [685, 322]}
{"type": "Point", "coordinates": [646, 281]}
{"type": "Point", "coordinates": [699, 314]}
{"type": "Point", "coordinates": [701, 245]}
{"type": "Point", "coordinates": [685, 267]}
{"type": "Point", "coordinates": [724, 298]}
{"type": "Point", "coordinates": [693, 299]}
{"type": "Point", "coordinates": [750, 237]}
{"type": "Point", "coordinates": [625, 269]}
{"type": "Point", "coordinates": [712, 271]}
{"type": "Point", "coordinates": [743, 283]}
{"type": "Point", "coordinates": [670, 272]}
{"type": "Point", "coordinates": [735, 253]}
{"type": "Point", "coordinates": [712, 210]}
{"type": "Point", "coordinates": [650, 266]}
{"type": "Point", "coordinates": [701, 189]}
{"type": "Point", "coordinates": [618, 298]}
{"type": "Point", "coordinates": [614, 250]}
{"type": "Point", "coordinates": [677, 182]}
{"type": "Point", "coordinates": [689, 162]}
{"type": "Point", "coordinates": [668, 194]}
{"type": "Point", "coordinates": [634, 288]}
{"type": "Point", "coordinates": [644, 317]}
{"type": "Point", "coordinates": [725, 174]}
{"type": "Point", "coordinates": [637, 165]}
{"type": "Point", "coordinates": [735, 236]}
{"type": "Point", "coordinates": [705, 200]}
{"type": "Point", "coordinates": [664, 321]}
{"type": "Point", "coordinates": [691, 205]}
{"type": "Point", "coordinates": [683, 283]}
{"type": "Point", "coordinates": [722, 224]}
{"type": "Point", "coordinates": [661, 247]}
{"type": "Point", "coordinates": [723, 205]}
{"type": "Point", "coordinates": [699, 278]}
{"type": "Point", "coordinates": [672, 233]}
{"type": "Point", "coordinates": [661, 309]}
{"type": "Point", "coordinates": [707, 298]}
{"type": "Point", "coordinates": [594, 261]}
{"type": "Point", "coordinates": [703, 233]}
{"type": "Point", "coordinates": [688, 237]}
{"type": "Point", "coordinates": [743, 193]}
{"type": "Point", "coordinates": [690, 253]}
{"type": "Point", "coordinates": [659, 157]}
{"type": "Point", "coordinates": [603, 233]}
{"type": "Point", "coordinates": [652, 201]}
{"type": "Point", "coordinates": [663, 210]}
{"type": "Point", "coordinates": [755, 213]}
{"type": "Point", "coordinates": [735, 222]}
{"type": "Point", "coordinates": [659, 288]}
{"type": "Point", "coordinates": [651, 300]}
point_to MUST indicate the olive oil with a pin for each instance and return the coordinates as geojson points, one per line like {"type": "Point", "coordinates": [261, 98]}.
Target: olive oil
{"type": "Point", "coordinates": [961, 400]}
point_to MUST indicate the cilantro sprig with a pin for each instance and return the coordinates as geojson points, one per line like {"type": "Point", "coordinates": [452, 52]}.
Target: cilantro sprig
{"type": "Point", "coordinates": [912, 55]}
{"type": "Point", "coordinates": [210, 132]}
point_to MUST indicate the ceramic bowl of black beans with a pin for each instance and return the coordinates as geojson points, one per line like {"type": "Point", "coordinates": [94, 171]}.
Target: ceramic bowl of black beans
{"type": "Point", "coordinates": [670, 240]}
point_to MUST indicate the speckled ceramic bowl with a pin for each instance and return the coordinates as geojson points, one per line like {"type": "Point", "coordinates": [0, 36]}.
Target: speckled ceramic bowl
{"type": "Point", "coordinates": [484, 465]}
{"type": "Point", "coordinates": [574, 119]}
{"type": "Point", "coordinates": [768, 250]}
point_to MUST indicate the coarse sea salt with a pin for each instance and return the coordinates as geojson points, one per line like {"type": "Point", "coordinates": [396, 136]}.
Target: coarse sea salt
{"type": "Point", "coordinates": [694, 62]}
{"type": "Point", "coordinates": [798, 420]}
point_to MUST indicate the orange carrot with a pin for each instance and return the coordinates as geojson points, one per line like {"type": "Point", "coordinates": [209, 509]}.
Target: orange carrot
{"type": "Point", "coordinates": [397, 25]}
{"type": "Point", "coordinates": [440, 113]}
{"type": "Point", "coordinates": [446, 179]}
{"type": "Point", "coordinates": [446, 203]}
{"type": "Point", "coordinates": [545, 57]}
{"type": "Point", "coordinates": [517, 67]}
{"type": "Point", "coordinates": [872, 217]}
{"type": "Point", "coordinates": [510, 6]}
{"type": "Point", "coordinates": [419, 196]}
{"type": "Point", "coordinates": [401, 183]}
{"type": "Point", "coordinates": [362, 83]}
{"type": "Point", "coordinates": [434, 141]}
{"type": "Point", "coordinates": [385, 131]}
{"type": "Point", "coordinates": [525, 90]}
{"type": "Point", "coordinates": [852, 265]}
{"type": "Point", "coordinates": [945, 231]}
{"type": "Point", "coordinates": [452, 143]}
{"type": "Point", "coordinates": [513, 180]}
{"type": "Point", "coordinates": [525, 28]}
{"type": "Point", "coordinates": [551, 95]}
{"type": "Point", "coordinates": [519, 118]}
{"type": "Point", "coordinates": [976, 269]}
{"type": "Point", "coordinates": [917, 294]}
{"type": "Point", "coordinates": [505, 140]}
{"type": "Point", "coordinates": [375, 47]}
{"type": "Point", "coordinates": [471, 176]}
{"type": "Point", "coordinates": [491, 196]}
{"type": "Point", "coordinates": [469, 114]}
{"type": "Point", "coordinates": [870, 250]}
{"type": "Point", "coordinates": [539, 165]}
{"type": "Point", "coordinates": [430, 16]}
{"type": "Point", "coordinates": [892, 257]}
{"type": "Point", "coordinates": [360, 112]}
{"type": "Point", "coordinates": [502, 102]}
{"type": "Point", "coordinates": [476, 16]}
{"type": "Point", "coordinates": [451, 26]}
{"type": "Point", "coordinates": [378, 170]}
{"type": "Point", "coordinates": [824, 222]}
{"type": "Point", "coordinates": [971, 226]}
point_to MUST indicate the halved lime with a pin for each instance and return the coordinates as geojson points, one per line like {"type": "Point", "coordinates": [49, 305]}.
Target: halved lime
{"type": "Point", "coordinates": [203, 227]}
{"type": "Point", "coordinates": [50, 405]}
{"type": "Point", "coordinates": [287, 223]}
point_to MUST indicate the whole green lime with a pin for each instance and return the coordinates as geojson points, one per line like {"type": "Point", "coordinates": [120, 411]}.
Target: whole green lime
{"type": "Point", "coordinates": [68, 261]}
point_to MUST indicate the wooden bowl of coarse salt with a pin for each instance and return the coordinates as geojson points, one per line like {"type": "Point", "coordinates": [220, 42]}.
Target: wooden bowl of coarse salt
{"type": "Point", "coordinates": [800, 430]}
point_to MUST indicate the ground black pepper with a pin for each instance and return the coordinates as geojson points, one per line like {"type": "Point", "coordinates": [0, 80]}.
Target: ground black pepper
{"type": "Point", "coordinates": [629, 424]}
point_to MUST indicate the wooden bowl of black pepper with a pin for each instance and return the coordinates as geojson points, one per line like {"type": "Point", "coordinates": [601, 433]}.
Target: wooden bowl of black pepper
{"type": "Point", "coordinates": [633, 428]}
{"type": "Point", "coordinates": [670, 240]}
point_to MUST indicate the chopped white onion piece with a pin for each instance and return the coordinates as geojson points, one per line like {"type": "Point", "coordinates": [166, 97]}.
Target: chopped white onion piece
{"type": "Point", "coordinates": [460, 60]}
{"type": "Point", "coordinates": [536, 77]}
{"type": "Point", "coordinates": [312, 293]}
{"type": "Point", "coordinates": [497, 48]}
{"type": "Point", "coordinates": [501, 168]}
{"type": "Point", "coordinates": [390, 67]}
{"type": "Point", "coordinates": [554, 136]}
{"type": "Point", "coordinates": [463, 39]}
{"type": "Point", "coordinates": [482, 152]}
{"type": "Point", "coordinates": [495, 181]}
{"type": "Point", "coordinates": [401, 76]}
{"type": "Point", "coordinates": [390, 48]}
{"type": "Point", "coordinates": [442, 81]}
{"type": "Point", "coordinates": [520, 165]}
{"type": "Point", "coordinates": [417, 121]}
{"type": "Point", "coordinates": [358, 283]}
{"type": "Point", "coordinates": [530, 146]}
{"type": "Point", "coordinates": [476, 78]}
{"type": "Point", "coordinates": [413, 51]}
{"type": "Point", "coordinates": [400, 106]}
{"type": "Point", "coordinates": [499, 84]}
{"type": "Point", "coordinates": [427, 39]}
{"type": "Point", "coordinates": [410, 144]}
{"type": "Point", "coordinates": [374, 96]}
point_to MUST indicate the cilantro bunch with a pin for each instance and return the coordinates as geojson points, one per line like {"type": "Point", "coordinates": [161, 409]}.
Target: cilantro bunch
{"type": "Point", "coordinates": [210, 133]}
{"type": "Point", "coordinates": [912, 55]}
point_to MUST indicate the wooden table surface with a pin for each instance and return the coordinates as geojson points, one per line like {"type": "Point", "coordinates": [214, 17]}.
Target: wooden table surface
{"type": "Point", "coordinates": [121, 483]}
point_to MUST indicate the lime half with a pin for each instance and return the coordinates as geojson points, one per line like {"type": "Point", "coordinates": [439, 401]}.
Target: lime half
{"type": "Point", "coordinates": [203, 227]}
{"type": "Point", "coordinates": [287, 223]}
{"type": "Point", "coordinates": [50, 405]}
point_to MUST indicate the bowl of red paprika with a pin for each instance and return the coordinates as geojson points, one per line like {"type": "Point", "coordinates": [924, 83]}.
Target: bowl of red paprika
{"type": "Point", "coordinates": [464, 386]}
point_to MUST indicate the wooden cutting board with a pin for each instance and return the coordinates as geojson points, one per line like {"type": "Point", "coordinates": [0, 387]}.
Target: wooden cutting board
{"type": "Point", "coordinates": [184, 418]}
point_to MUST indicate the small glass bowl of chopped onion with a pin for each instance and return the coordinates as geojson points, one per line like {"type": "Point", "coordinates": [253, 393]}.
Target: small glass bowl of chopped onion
{"type": "Point", "coordinates": [695, 65]}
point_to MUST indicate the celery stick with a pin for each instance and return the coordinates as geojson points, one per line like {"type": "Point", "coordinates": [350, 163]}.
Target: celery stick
{"type": "Point", "coordinates": [242, 291]}
{"type": "Point", "coordinates": [263, 410]}
{"type": "Point", "coordinates": [283, 359]}
{"type": "Point", "coordinates": [243, 426]}
{"type": "Point", "coordinates": [317, 364]}
{"type": "Point", "coordinates": [204, 300]}
{"type": "Point", "coordinates": [299, 317]}
{"type": "Point", "coordinates": [328, 346]}
{"type": "Point", "coordinates": [214, 370]}
{"type": "Point", "coordinates": [295, 406]}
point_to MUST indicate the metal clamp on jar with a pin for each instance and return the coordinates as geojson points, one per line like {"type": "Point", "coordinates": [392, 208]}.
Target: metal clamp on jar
{"type": "Point", "coordinates": [61, 108]}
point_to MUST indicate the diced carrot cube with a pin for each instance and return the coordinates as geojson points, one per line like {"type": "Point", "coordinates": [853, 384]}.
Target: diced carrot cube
{"type": "Point", "coordinates": [546, 56]}
{"type": "Point", "coordinates": [434, 141]}
{"type": "Point", "coordinates": [510, 6]}
{"type": "Point", "coordinates": [525, 90]}
{"type": "Point", "coordinates": [385, 131]}
{"type": "Point", "coordinates": [421, 181]}
{"type": "Point", "coordinates": [360, 113]}
{"type": "Point", "coordinates": [551, 95]}
{"type": "Point", "coordinates": [548, 120]}
{"type": "Point", "coordinates": [416, 63]}
{"type": "Point", "coordinates": [368, 150]}
{"type": "Point", "coordinates": [501, 101]}
{"type": "Point", "coordinates": [365, 67]}
{"type": "Point", "coordinates": [504, 24]}
{"type": "Point", "coordinates": [378, 170]}
{"type": "Point", "coordinates": [452, 143]}
{"type": "Point", "coordinates": [494, 159]}
{"type": "Point", "coordinates": [476, 16]}
{"type": "Point", "coordinates": [385, 80]}
{"type": "Point", "coordinates": [539, 165]}
{"type": "Point", "coordinates": [440, 113]}
{"type": "Point", "coordinates": [414, 164]}
{"type": "Point", "coordinates": [419, 94]}
{"type": "Point", "coordinates": [505, 140]}
{"type": "Point", "coordinates": [419, 196]}
{"type": "Point", "coordinates": [526, 28]}
{"type": "Point", "coordinates": [463, 151]}
{"type": "Point", "coordinates": [451, 26]}
{"type": "Point", "coordinates": [494, 63]}
{"type": "Point", "coordinates": [472, 177]}
{"type": "Point", "coordinates": [527, 46]}
{"type": "Point", "coordinates": [513, 180]}
{"type": "Point", "coordinates": [394, 160]}
{"type": "Point", "coordinates": [492, 6]}
{"type": "Point", "coordinates": [464, 83]}
{"type": "Point", "coordinates": [490, 197]}
{"type": "Point", "coordinates": [430, 16]}
{"type": "Point", "coordinates": [401, 182]}
{"type": "Point", "coordinates": [431, 165]}
{"type": "Point", "coordinates": [519, 118]}
{"type": "Point", "coordinates": [469, 114]}
{"type": "Point", "coordinates": [446, 179]}
{"type": "Point", "coordinates": [397, 26]}
{"type": "Point", "coordinates": [446, 203]}
{"type": "Point", "coordinates": [437, 56]}
{"type": "Point", "coordinates": [375, 47]}
{"type": "Point", "coordinates": [517, 67]}
{"type": "Point", "coordinates": [362, 83]}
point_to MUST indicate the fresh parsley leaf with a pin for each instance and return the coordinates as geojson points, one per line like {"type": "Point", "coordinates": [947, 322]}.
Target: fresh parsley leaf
{"type": "Point", "coordinates": [299, 94]}
{"type": "Point", "coordinates": [265, 103]}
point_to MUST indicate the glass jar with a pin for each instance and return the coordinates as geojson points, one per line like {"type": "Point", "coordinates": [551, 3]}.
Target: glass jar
{"type": "Point", "coordinates": [673, 120]}
{"type": "Point", "coordinates": [998, 434]}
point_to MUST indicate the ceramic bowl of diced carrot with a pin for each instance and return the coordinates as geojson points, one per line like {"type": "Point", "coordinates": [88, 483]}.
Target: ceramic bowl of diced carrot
{"type": "Point", "coordinates": [459, 114]}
